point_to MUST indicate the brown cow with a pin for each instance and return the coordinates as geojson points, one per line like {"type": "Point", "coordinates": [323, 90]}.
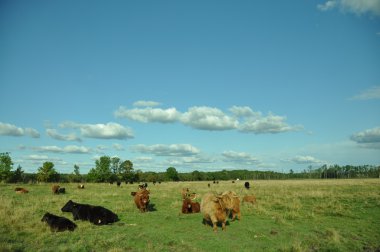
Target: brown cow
{"type": "Point", "coordinates": [235, 210]}
{"type": "Point", "coordinates": [21, 190]}
{"type": "Point", "coordinates": [55, 189]}
{"type": "Point", "coordinates": [142, 200]}
{"type": "Point", "coordinates": [190, 207]}
{"type": "Point", "coordinates": [215, 209]}
{"type": "Point", "coordinates": [250, 199]}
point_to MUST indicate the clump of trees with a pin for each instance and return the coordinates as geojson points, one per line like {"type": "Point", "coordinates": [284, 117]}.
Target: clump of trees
{"type": "Point", "coordinates": [111, 169]}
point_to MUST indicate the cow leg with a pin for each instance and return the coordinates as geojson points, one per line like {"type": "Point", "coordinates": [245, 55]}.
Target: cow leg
{"type": "Point", "coordinates": [224, 226]}
{"type": "Point", "coordinates": [215, 227]}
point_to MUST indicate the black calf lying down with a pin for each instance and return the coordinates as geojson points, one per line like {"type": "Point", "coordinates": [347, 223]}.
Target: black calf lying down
{"type": "Point", "coordinates": [57, 223]}
{"type": "Point", "coordinates": [95, 214]}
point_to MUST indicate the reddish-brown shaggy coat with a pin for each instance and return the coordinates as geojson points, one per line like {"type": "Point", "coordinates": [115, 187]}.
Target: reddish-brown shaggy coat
{"type": "Point", "coordinates": [55, 189]}
{"type": "Point", "coordinates": [21, 190]}
{"type": "Point", "coordinates": [190, 207]}
{"type": "Point", "coordinates": [141, 199]}
{"type": "Point", "coordinates": [250, 199]}
{"type": "Point", "coordinates": [235, 210]}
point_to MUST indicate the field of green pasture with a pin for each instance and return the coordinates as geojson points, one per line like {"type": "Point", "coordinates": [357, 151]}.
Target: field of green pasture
{"type": "Point", "coordinates": [293, 215]}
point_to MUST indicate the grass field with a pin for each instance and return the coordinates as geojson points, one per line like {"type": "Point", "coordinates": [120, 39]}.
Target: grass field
{"type": "Point", "coordinates": [296, 215]}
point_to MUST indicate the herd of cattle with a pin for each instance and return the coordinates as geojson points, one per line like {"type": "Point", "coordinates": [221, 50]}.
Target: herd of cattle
{"type": "Point", "coordinates": [216, 208]}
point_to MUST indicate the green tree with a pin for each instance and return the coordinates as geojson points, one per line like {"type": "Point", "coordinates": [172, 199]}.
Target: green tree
{"type": "Point", "coordinates": [47, 173]}
{"type": "Point", "coordinates": [17, 175]}
{"type": "Point", "coordinates": [102, 171]}
{"type": "Point", "coordinates": [75, 176]}
{"type": "Point", "coordinates": [172, 174]}
{"type": "Point", "coordinates": [126, 171]}
{"type": "Point", "coordinates": [6, 165]}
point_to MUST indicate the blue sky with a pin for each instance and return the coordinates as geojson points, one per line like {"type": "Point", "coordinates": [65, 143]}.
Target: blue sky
{"type": "Point", "coordinates": [198, 85]}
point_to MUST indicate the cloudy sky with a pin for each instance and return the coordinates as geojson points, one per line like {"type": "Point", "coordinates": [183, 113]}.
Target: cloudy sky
{"type": "Point", "coordinates": [198, 85]}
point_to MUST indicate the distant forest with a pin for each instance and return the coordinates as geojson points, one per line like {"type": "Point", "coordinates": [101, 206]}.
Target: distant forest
{"type": "Point", "coordinates": [113, 169]}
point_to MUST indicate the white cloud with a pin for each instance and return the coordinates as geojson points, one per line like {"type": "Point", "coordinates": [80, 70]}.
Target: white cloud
{"type": "Point", "coordinates": [146, 104]}
{"type": "Point", "coordinates": [167, 150]}
{"type": "Point", "coordinates": [305, 160]}
{"type": "Point", "coordinates": [207, 118]}
{"type": "Point", "coordinates": [368, 94]}
{"type": "Point", "coordinates": [67, 149]}
{"type": "Point", "coordinates": [269, 124]}
{"type": "Point", "coordinates": [37, 157]}
{"type": "Point", "coordinates": [357, 7]}
{"type": "Point", "coordinates": [241, 118]}
{"type": "Point", "coordinates": [7, 129]}
{"type": "Point", "coordinates": [55, 135]}
{"type": "Point", "coordinates": [110, 130]}
{"type": "Point", "coordinates": [369, 138]}
{"type": "Point", "coordinates": [239, 157]}
{"type": "Point", "coordinates": [146, 115]}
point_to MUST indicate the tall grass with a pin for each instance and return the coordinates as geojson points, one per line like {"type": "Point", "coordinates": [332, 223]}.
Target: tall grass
{"type": "Point", "coordinates": [304, 215]}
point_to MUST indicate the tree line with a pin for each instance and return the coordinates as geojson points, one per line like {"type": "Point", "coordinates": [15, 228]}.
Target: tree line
{"type": "Point", "coordinates": [113, 169]}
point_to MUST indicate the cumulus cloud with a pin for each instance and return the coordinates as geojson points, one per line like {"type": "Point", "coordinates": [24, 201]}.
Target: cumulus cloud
{"type": "Point", "coordinates": [369, 138]}
{"type": "Point", "coordinates": [207, 118]}
{"type": "Point", "coordinates": [239, 157]}
{"type": "Point", "coordinates": [146, 104]}
{"type": "Point", "coordinates": [357, 7]}
{"type": "Point", "coordinates": [67, 149]}
{"type": "Point", "coordinates": [110, 130]}
{"type": "Point", "coordinates": [55, 135]}
{"type": "Point", "coordinates": [241, 118]}
{"type": "Point", "coordinates": [146, 115]}
{"type": "Point", "coordinates": [118, 147]}
{"type": "Point", "coordinates": [267, 124]}
{"type": "Point", "coordinates": [368, 94]}
{"type": "Point", "coordinates": [7, 129]}
{"type": "Point", "coordinates": [305, 160]}
{"type": "Point", "coordinates": [167, 150]}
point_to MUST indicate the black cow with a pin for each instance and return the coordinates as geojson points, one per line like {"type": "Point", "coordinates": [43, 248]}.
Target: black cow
{"type": "Point", "coordinates": [246, 185]}
{"type": "Point", "coordinates": [95, 214]}
{"type": "Point", "coordinates": [57, 223]}
{"type": "Point", "coordinates": [61, 190]}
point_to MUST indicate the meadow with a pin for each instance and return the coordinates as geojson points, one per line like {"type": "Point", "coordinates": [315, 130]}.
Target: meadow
{"type": "Point", "coordinates": [290, 215]}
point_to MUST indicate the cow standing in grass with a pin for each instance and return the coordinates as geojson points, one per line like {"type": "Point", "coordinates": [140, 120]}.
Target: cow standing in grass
{"type": "Point", "coordinates": [215, 209]}
{"type": "Point", "coordinates": [141, 199]}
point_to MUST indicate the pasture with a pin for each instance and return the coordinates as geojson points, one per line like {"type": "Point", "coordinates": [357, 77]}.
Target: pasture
{"type": "Point", "coordinates": [291, 215]}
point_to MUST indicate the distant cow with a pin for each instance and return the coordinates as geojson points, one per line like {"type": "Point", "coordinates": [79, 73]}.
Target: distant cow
{"type": "Point", "coordinates": [55, 189]}
{"type": "Point", "coordinates": [208, 185]}
{"type": "Point", "coordinates": [118, 183]}
{"type": "Point", "coordinates": [141, 199]}
{"type": "Point", "coordinates": [81, 186]}
{"type": "Point", "coordinates": [250, 199]}
{"type": "Point", "coordinates": [21, 190]}
{"type": "Point", "coordinates": [235, 210]}
{"type": "Point", "coordinates": [246, 185]}
{"type": "Point", "coordinates": [215, 209]}
{"type": "Point", "coordinates": [57, 223]}
{"type": "Point", "coordinates": [190, 207]}
{"type": "Point", "coordinates": [61, 190]}
{"type": "Point", "coordinates": [95, 214]}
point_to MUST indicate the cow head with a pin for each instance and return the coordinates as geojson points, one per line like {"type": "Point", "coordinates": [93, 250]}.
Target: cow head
{"type": "Point", "coordinates": [45, 217]}
{"type": "Point", "coordinates": [69, 206]}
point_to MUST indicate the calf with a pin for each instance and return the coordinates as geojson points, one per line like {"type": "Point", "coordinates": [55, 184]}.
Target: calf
{"type": "Point", "coordinates": [246, 185]}
{"type": "Point", "coordinates": [61, 190]}
{"type": "Point", "coordinates": [141, 199]}
{"type": "Point", "coordinates": [190, 207]}
{"type": "Point", "coordinates": [21, 190]}
{"type": "Point", "coordinates": [55, 189]}
{"type": "Point", "coordinates": [57, 223]}
{"type": "Point", "coordinates": [95, 214]}
{"type": "Point", "coordinates": [249, 199]}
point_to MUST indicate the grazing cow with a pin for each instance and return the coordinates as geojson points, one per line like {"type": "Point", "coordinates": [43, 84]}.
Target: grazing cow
{"type": "Point", "coordinates": [61, 190]}
{"type": "Point", "coordinates": [141, 199]}
{"type": "Point", "coordinates": [235, 210]}
{"type": "Point", "coordinates": [81, 186]}
{"type": "Point", "coordinates": [250, 199]}
{"type": "Point", "coordinates": [246, 185]}
{"type": "Point", "coordinates": [208, 185]}
{"type": "Point", "coordinates": [55, 189]}
{"type": "Point", "coordinates": [57, 223]}
{"type": "Point", "coordinates": [215, 209]}
{"type": "Point", "coordinates": [21, 190]}
{"type": "Point", "coordinates": [190, 207]}
{"type": "Point", "coordinates": [118, 183]}
{"type": "Point", "coordinates": [95, 214]}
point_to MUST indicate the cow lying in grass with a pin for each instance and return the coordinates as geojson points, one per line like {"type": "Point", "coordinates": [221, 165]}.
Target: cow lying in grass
{"type": "Point", "coordinates": [95, 214]}
{"type": "Point", "coordinates": [190, 207]}
{"type": "Point", "coordinates": [21, 190]}
{"type": "Point", "coordinates": [57, 223]}
{"type": "Point", "coordinates": [250, 199]}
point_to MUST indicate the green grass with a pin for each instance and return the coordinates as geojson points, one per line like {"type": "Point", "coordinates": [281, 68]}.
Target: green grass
{"type": "Point", "coordinates": [304, 215]}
